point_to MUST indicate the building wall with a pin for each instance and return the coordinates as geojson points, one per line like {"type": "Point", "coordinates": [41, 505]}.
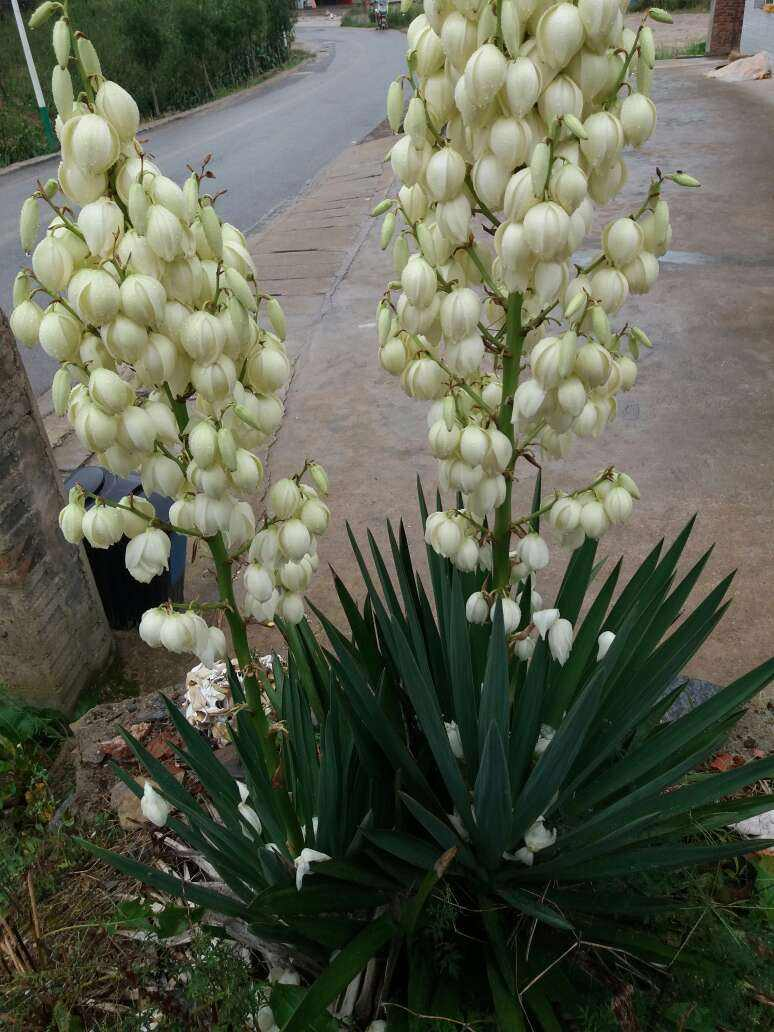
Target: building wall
{"type": "Point", "coordinates": [725, 31]}
{"type": "Point", "coordinates": [758, 29]}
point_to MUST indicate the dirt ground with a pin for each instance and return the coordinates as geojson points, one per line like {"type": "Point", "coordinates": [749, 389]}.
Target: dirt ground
{"type": "Point", "coordinates": [688, 27]}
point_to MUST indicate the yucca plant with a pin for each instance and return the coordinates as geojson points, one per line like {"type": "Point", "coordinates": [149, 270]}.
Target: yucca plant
{"type": "Point", "coordinates": [534, 842]}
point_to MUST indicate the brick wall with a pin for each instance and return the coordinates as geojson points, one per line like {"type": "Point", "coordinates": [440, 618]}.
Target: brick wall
{"type": "Point", "coordinates": [725, 29]}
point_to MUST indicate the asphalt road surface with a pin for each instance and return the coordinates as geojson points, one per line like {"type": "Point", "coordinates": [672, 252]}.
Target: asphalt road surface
{"type": "Point", "coordinates": [266, 146]}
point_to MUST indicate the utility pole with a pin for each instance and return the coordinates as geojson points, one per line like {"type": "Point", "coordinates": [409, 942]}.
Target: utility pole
{"type": "Point", "coordinates": [39, 98]}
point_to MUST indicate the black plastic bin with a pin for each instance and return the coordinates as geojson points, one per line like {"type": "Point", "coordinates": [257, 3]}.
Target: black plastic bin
{"type": "Point", "coordinates": [124, 598]}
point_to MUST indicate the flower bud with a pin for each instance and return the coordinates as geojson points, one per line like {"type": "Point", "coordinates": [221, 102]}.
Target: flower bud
{"type": "Point", "coordinates": [62, 92]}
{"type": "Point", "coordinates": [213, 231]}
{"type": "Point", "coordinates": [52, 264]}
{"type": "Point", "coordinates": [528, 399]}
{"type": "Point", "coordinates": [522, 86]}
{"type": "Point", "coordinates": [25, 323]}
{"type": "Point", "coordinates": [61, 41]}
{"type": "Point", "coordinates": [476, 609]}
{"type": "Point", "coordinates": [109, 391]}
{"type": "Point", "coordinates": [594, 519]}
{"type": "Point", "coordinates": [538, 836]}
{"type": "Point", "coordinates": [203, 444]}
{"type": "Point", "coordinates": [291, 608]}
{"type": "Point", "coordinates": [546, 226]}
{"type": "Point", "coordinates": [419, 282]}
{"type": "Point", "coordinates": [87, 55]}
{"type": "Point", "coordinates": [102, 526]}
{"type": "Point", "coordinates": [560, 640]}
{"type": "Point", "coordinates": [315, 515]}
{"type": "Point", "coordinates": [216, 380]}
{"type": "Point", "coordinates": [162, 475]}
{"type": "Point", "coordinates": [387, 231]}
{"type": "Point", "coordinates": [202, 337]}
{"type": "Point", "coordinates": [90, 142]}
{"type": "Point", "coordinates": [490, 179]}
{"type": "Point", "coordinates": [485, 74]}
{"type": "Point", "coordinates": [135, 522]}
{"type": "Point", "coordinates": [71, 521]}
{"type": "Point", "coordinates": [415, 122]}
{"type": "Point", "coordinates": [538, 168]}
{"type": "Point", "coordinates": [319, 478]}
{"type": "Point", "coordinates": [559, 34]}
{"type": "Point", "coordinates": [29, 223]}
{"type": "Point", "coordinates": [147, 554]}
{"type": "Point", "coordinates": [102, 224]}
{"type": "Point", "coordinates": [42, 13]}
{"type": "Point", "coordinates": [119, 108]}
{"type": "Point", "coordinates": [618, 505]}
{"type": "Point", "coordinates": [227, 448]}
{"type": "Point", "coordinates": [163, 232]}
{"type": "Point", "coordinates": [534, 551]}
{"type": "Point", "coordinates": [638, 118]}
{"type": "Point", "coordinates": [511, 614]}
{"type": "Point", "coordinates": [143, 299]}
{"type": "Point", "coordinates": [153, 806]}
{"type": "Point", "coordinates": [460, 313]}
{"type": "Point", "coordinates": [658, 14]}
{"type": "Point", "coordinates": [60, 334]}
{"type": "Point", "coordinates": [622, 241]}
{"type": "Point", "coordinates": [395, 105]}
{"type": "Point", "coordinates": [294, 539]}
{"type": "Point", "coordinates": [284, 499]}
{"type": "Point", "coordinates": [94, 295]}
{"type": "Point", "coordinates": [445, 174]}
{"type": "Point", "coordinates": [509, 140]}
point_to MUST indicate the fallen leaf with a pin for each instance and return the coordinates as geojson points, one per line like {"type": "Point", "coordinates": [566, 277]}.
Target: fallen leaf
{"type": "Point", "coordinates": [723, 761]}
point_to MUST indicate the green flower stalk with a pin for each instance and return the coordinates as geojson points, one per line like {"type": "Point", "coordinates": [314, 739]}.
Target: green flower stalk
{"type": "Point", "coordinates": [519, 117]}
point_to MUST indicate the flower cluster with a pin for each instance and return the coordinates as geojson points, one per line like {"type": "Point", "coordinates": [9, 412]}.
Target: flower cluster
{"type": "Point", "coordinates": [171, 358]}
{"type": "Point", "coordinates": [515, 130]}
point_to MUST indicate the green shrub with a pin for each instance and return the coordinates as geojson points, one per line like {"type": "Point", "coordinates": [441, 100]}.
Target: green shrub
{"type": "Point", "coordinates": [169, 56]}
{"type": "Point", "coordinates": [695, 6]}
{"type": "Point", "coordinates": [421, 841]}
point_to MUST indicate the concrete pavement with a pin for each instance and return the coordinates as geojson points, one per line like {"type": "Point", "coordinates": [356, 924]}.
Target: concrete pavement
{"type": "Point", "coordinates": [267, 143]}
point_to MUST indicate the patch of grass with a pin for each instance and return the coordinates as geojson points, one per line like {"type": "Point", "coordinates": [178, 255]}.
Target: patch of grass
{"type": "Point", "coordinates": [719, 974]}
{"type": "Point", "coordinates": [693, 6]}
{"type": "Point", "coordinates": [696, 49]}
{"type": "Point", "coordinates": [297, 56]}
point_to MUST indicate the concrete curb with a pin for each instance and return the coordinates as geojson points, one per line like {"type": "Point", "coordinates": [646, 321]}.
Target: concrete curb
{"type": "Point", "coordinates": [272, 79]}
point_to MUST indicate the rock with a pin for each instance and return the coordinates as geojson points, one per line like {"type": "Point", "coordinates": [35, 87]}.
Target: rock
{"type": "Point", "coordinates": [760, 826]}
{"type": "Point", "coordinates": [126, 805]}
{"type": "Point", "coordinates": [97, 741]}
{"type": "Point", "coordinates": [694, 693]}
{"type": "Point", "coordinates": [100, 725]}
{"type": "Point", "coordinates": [229, 757]}
{"type": "Point", "coordinates": [744, 69]}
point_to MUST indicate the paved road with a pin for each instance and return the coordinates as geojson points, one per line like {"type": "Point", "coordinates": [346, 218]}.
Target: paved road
{"type": "Point", "coordinates": [266, 146]}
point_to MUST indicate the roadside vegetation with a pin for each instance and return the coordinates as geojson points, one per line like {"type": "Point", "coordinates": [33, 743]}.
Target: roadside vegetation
{"type": "Point", "coordinates": [358, 18]}
{"type": "Point", "coordinates": [171, 56]}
